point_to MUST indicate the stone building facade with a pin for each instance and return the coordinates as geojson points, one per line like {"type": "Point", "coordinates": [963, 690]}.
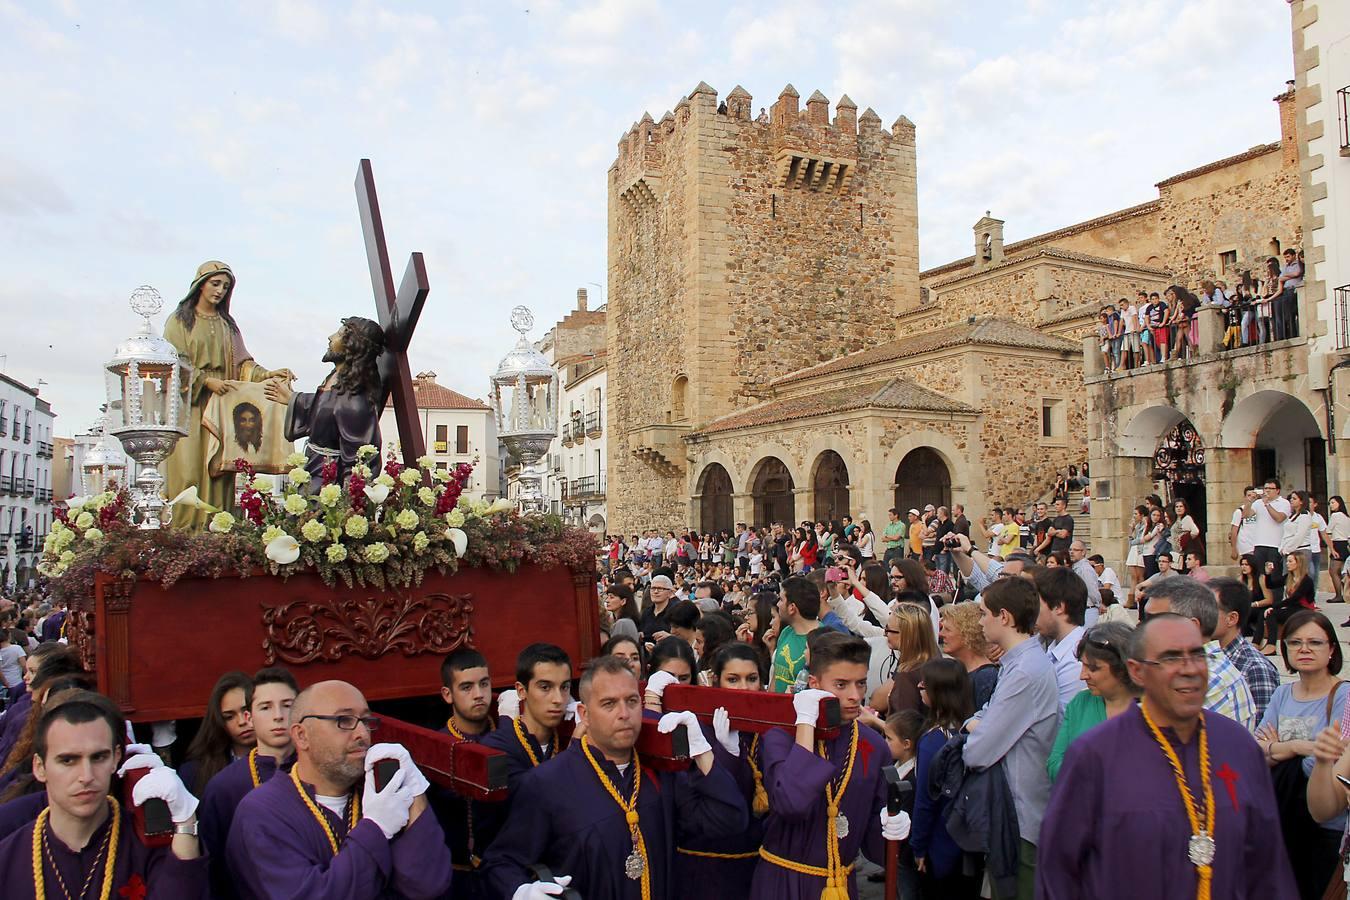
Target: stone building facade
{"type": "Point", "coordinates": [724, 227]}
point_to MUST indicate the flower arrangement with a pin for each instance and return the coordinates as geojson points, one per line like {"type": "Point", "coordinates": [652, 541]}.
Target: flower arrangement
{"type": "Point", "coordinates": [386, 526]}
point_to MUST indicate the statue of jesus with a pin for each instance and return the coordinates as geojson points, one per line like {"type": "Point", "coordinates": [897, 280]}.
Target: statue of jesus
{"type": "Point", "coordinates": [344, 413]}
{"type": "Point", "coordinates": [208, 337]}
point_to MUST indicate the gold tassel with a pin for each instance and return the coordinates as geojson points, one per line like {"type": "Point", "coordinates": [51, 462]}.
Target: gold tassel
{"type": "Point", "coordinates": [833, 892]}
{"type": "Point", "coordinates": [761, 801]}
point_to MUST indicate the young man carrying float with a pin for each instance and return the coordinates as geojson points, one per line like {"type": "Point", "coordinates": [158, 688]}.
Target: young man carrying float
{"type": "Point", "coordinates": [597, 818]}
{"type": "Point", "coordinates": [542, 698]}
{"type": "Point", "coordinates": [468, 825]}
{"type": "Point", "coordinates": [827, 799]}
{"type": "Point", "coordinates": [84, 840]}
{"type": "Point", "coordinates": [274, 690]}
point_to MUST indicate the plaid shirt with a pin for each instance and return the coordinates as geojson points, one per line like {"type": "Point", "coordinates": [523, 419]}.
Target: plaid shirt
{"type": "Point", "coordinates": [1228, 693]}
{"type": "Point", "coordinates": [939, 582]}
{"type": "Point", "coordinates": [1259, 672]}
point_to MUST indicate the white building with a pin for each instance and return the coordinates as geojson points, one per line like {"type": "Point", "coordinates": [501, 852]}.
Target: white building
{"type": "Point", "coordinates": [574, 481]}
{"type": "Point", "coordinates": [457, 429]}
{"type": "Point", "coordinates": [26, 451]}
{"type": "Point", "coordinates": [1321, 38]}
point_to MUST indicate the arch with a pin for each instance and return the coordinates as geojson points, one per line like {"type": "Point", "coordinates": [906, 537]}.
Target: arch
{"type": "Point", "coordinates": [922, 477]}
{"type": "Point", "coordinates": [1141, 436]}
{"type": "Point", "coordinates": [941, 444]}
{"type": "Point", "coordinates": [1254, 412]}
{"type": "Point", "coordinates": [829, 486]}
{"type": "Point", "coordinates": [1284, 437]}
{"type": "Point", "coordinates": [772, 487]}
{"type": "Point", "coordinates": [715, 506]}
{"type": "Point", "coordinates": [679, 390]}
{"type": "Point", "coordinates": [596, 523]}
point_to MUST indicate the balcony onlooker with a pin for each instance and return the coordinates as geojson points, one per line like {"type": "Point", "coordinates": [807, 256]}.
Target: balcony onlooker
{"type": "Point", "coordinates": [1159, 335]}
{"type": "Point", "coordinates": [1290, 280]}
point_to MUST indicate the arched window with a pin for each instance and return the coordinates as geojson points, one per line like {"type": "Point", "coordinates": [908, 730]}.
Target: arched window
{"type": "Point", "coordinates": [773, 493]}
{"type": "Point", "coordinates": [677, 398]}
{"type": "Point", "coordinates": [922, 478]}
{"type": "Point", "coordinates": [715, 510]}
{"type": "Point", "coordinates": [830, 487]}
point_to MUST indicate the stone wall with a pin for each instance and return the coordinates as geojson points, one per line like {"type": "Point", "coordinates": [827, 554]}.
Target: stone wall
{"type": "Point", "coordinates": [721, 230]}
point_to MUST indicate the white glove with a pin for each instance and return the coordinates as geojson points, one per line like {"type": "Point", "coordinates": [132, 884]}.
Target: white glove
{"type": "Point", "coordinates": [415, 781]}
{"type": "Point", "coordinates": [894, 827]}
{"type": "Point", "coordinates": [133, 748]}
{"type": "Point", "coordinates": [542, 890]}
{"type": "Point", "coordinates": [145, 758]}
{"type": "Point", "coordinates": [571, 714]}
{"type": "Point", "coordinates": [508, 704]}
{"type": "Point", "coordinates": [807, 705]}
{"type": "Point", "coordinates": [657, 684]}
{"type": "Point", "coordinates": [728, 737]}
{"type": "Point", "coordinates": [163, 734]}
{"type": "Point", "coordinates": [698, 744]}
{"type": "Point", "coordinates": [388, 808]}
{"type": "Point", "coordinates": [164, 783]}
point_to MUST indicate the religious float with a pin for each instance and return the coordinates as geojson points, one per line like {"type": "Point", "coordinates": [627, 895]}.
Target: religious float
{"type": "Point", "coordinates": [345, 565]}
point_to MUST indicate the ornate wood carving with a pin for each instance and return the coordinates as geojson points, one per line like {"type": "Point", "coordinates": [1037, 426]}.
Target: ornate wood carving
{"type": "Point", "coordinates": [329, 628]}
{"type": "Point", "coordinates": [80, 635]}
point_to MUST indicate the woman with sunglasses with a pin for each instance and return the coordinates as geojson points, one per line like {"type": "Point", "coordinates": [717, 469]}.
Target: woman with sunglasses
{"type": "Point", "coordinates": [1110, 690]}
{"type": "Point", "coordinates": [1297, 712]}
{"type": "Point", "coordinates": [909, 633]}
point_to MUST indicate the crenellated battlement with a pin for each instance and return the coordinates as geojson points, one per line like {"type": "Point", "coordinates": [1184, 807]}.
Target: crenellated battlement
{"type": "Point", "coordinates": [805, 134]}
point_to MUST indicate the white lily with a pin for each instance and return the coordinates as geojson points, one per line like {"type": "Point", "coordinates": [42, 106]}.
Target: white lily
{"type": "Point", "coordinates": [460, 540]}
{"type": "Point", "coordinates": [188, 497]}
{"type": "Point", "coordinates": [75, 503]}
{"type": "Point", "coordinates": [283, 549]}
{"type": "Point", "coordinates": [377, 493]}
{"type": "Point", "coordinates": [501, 504]}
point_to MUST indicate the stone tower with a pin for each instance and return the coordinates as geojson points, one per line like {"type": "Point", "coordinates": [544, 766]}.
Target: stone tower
{"type": "Point", "coordinates": [740, 249]}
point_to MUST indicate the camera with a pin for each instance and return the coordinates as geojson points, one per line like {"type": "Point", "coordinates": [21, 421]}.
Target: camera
{"type": "Point", "coordinates": [951, 540]}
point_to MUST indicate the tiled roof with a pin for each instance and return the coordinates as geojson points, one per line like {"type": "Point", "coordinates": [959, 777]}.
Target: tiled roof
{"type": "Point", "coordinates": [1054, 253]}
{"type": "Point", "coordinates": [897, 393]}
{"type": "Point", "coordinates": [1091, 308]}
{"type": "Point", "coordinates": [986, 330]}
{"type": "Point", "coordinates": [431, 395]}
{"type": "Point", "coordinates": [1067, 231]}
{"type": "Point", "coordinates": [1253, 153]}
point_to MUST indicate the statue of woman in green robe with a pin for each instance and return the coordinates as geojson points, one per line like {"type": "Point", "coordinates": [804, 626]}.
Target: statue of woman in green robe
{"type": "Point", "coordinates": [208, 337]}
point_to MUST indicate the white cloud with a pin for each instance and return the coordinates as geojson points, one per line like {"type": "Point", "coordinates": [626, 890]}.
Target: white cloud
{"type": "Point", "coordinates": [302, 21]}
{"type": "Point", "coordinates": [26, 190]}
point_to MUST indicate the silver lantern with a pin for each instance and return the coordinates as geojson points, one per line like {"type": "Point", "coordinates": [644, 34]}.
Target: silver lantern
{"type": "Point", "coordinates": [102, 463]}
{"type": "Point", "coordinates": [146, 411]}
{"type": "Point", "coordinates": [525, 401]}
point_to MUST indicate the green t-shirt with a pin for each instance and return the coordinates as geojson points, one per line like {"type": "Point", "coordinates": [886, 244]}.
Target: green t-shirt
{"type": "Point", "coordinates": [788, 659]}
{"type": "Point", "coordinates": [894, 535]}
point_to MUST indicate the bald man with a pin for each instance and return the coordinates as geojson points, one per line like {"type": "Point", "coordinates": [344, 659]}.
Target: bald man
{"type": "Point", "coordinates": [320, 833]}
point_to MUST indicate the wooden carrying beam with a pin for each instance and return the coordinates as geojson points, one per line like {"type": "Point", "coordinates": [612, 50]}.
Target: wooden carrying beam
{"type": "Point", "coordinates": [469, 769]}
{"type": "Point", "coordinates": [756, 711]}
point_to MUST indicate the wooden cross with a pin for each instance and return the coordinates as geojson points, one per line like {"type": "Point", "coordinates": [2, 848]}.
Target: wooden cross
{"type": "Point", "coordinates": [398, 315]}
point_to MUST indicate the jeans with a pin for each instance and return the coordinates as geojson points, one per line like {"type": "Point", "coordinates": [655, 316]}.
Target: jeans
{"type": "Point", "coordinates": [1248, 318]}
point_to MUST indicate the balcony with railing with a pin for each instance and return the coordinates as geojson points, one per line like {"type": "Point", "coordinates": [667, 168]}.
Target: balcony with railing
{"type": "Point", "coordinates": [1343, 113]}
{"type": "Point", "coordinates": [44, 495]}
{"type": "Point", "coordinates": [6, 484]}
{"type": "Point", "coordinates": [28, 434]}
{"type": "Point", "coordinates": [27, 489]}
{"type": "Point", "coordinates": [568, 436]}
{"type": "Point", "coordinates": [23, 540]}
{"type": "Point", "coordinates": [45, 448]}
{"type": "Point", "coordinates": [588, 487]}
{"type": "Point", "coordinates": [593, 424]}
{"type": "Point", "coordinates": [1342, 298]}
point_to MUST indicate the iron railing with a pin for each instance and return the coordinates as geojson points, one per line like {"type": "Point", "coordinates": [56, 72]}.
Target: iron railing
{"type": "Point", "coordinates": [1343, 104]}
{"type": "Point", "coordinates": [593, 423]}
{"type": "Point", "coordinates": [1343, 317]}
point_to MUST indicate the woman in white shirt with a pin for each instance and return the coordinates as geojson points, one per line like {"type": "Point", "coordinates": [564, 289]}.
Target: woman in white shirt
{"type": "Point", "coordinates": [1298, 526]}
{"type": "Point", "coordinates": [866, 540]}
{"type": "Point", "coordinates": [1317, 538]}
{"type": "Point", "coordinates": [1338, 530]}
{"type": "Point", "coordinates": [1184, 531]}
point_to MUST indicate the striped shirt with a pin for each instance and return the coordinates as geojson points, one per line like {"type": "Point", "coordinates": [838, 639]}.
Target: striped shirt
{"type": "Point", "coordinates": [1228, 693]}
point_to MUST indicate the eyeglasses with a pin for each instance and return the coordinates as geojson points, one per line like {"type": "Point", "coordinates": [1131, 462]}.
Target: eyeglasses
{"type": "Point", "coordinates": [1175, 662]}
{"type": "Point", "coordinates": [1307, 644]}
{"type": "Point", "coordinates": [348, 723]}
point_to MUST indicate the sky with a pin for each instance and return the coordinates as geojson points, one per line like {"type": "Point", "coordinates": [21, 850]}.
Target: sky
{"type": "Point", "coordinates": [140, 139]}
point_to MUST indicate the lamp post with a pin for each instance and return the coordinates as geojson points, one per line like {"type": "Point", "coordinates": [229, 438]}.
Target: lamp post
{"type": "Point", "coordinates": [147, 412]}
{"type": "Point", "coordinates": [525, 402]}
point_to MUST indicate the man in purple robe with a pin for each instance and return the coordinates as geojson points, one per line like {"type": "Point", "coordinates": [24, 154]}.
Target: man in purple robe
{"type": "Point", "coordinates": [343, 415]}
{"type": "Point", "coordinates": [274, 691]}
{"type": "Point", "coordinates": [1120, 825]}
{"type": "Point", "coordinates": [593, 815]}
{"type": "Point", "coordinates": [544, 689]}
{"type": "Point", "coordinates": [84, 839]}
{"type": "Point", "coordinates": [827, 799]}
{"type": "Point", "coordinates": [469, 825]}
{"type": "Point", "coordinates": [315, 834]}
